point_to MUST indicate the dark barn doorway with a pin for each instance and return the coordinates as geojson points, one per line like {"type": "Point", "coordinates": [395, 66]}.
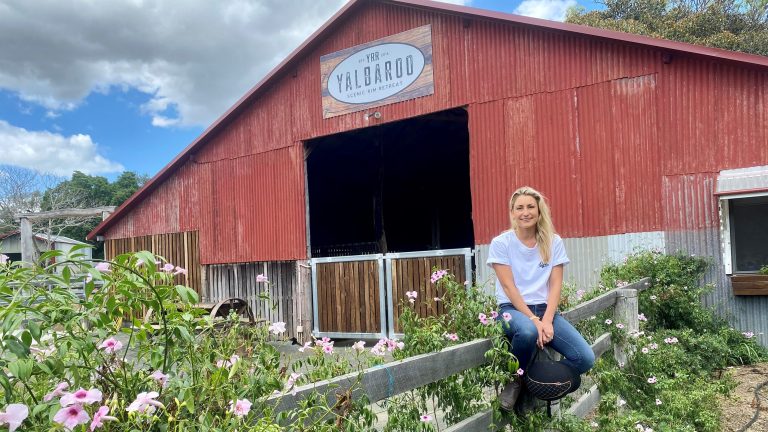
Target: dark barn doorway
{"type": "Point", "coordinates": [397, 187]}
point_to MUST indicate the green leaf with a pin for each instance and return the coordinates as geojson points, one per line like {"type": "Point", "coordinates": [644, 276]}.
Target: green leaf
{"type": "Point", "coordinates": [38, 409]}
{"type": "Point", "coordinates": [187, 294]}
{"type": "Point", "coordinates": [16, 347]}
{"type": "Point", "coordinates": [26, 338]}
{"type": "Point", "coordinates": [34, 329]}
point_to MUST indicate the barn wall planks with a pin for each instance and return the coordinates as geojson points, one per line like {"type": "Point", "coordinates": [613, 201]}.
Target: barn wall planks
{"type": "Point", "coordinates": [180, 249]}
{"type": "Point", "coordinates": [284, 298]}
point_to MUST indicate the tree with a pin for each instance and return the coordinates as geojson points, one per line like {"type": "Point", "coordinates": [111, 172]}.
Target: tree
{"type": "Point", "coordinates": [25, 191]}
{"type": "Point", "coordinates": [91, 191]}
{"type": "Point", "coordinates": [737, 25]}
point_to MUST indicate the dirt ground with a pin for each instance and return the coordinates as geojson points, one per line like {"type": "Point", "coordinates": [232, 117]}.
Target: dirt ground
{"type": "Point", "coordinates": [740, 407]}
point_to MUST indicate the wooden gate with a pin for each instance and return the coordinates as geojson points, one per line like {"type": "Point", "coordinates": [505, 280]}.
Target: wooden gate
{"type": "Point", "coordinates": [360, 296]}
{"type": "Point", "coordinates": [348, 296]}
{"type": "Point", "coordinates": [412, 271]}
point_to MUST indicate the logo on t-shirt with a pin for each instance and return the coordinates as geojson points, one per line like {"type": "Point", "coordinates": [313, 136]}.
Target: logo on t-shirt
{"type": "Point", "coordinates": [543, 264]}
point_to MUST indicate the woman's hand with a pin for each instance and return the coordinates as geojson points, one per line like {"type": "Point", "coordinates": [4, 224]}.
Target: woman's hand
{"type": "Point", "coordinates": [547, 332]}
{"type": "Point", "coordinates": [542, 340]}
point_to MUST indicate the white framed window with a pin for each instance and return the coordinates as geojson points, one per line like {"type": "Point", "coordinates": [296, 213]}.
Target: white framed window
{"type": "Point", "coordinates": [744, 218]}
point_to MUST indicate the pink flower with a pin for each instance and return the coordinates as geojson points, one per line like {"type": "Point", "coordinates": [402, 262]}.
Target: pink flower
{"type": "Point", "coordinates": [654, 345]}
{"type": "Point", "coordinates": [240, 407]}
{"type": "Point", "coordinates": [13, 416]}
{"type": "Point", "coordinates": [608, 321]}
{"type": "Point", "coordinates": [483, 318]}
{"type": "Point", "coordinates": [359, 346]}
{"type": "Point", "coordinates": [306, 345]}
{"type": "Point", "coordinates": [641, 317]}
{"type": "Point", "coordinates": [400, 345]}
{"type": "Point", "coordinates": [160, 378]}
{"type": "Point", "coordinates": [81, 397]}
{"type": "Point", "coordinates": [144, 401]}
{"type": "Point", "coordinates": [452, 336]}
{"type": "Point", "coordinates": [579, 294]}
{"type": "Point", "coordinates": [71, 416]}
{"type": "Point", "coordinates": [328, 348]}
{"type": "Point", "coordinates": [494, 314]}
{"type": "Point", "coordinates": [111, 345]}
{"type": "Point", "coordinates": [3, 258]}
{"type": "Point", "coordinates": [179, 270]}
{"type": "Point", "coordinates": [670, 340]}
{"type": "Point", "coordinates": [292, 380]}
{"type": "Point", "coordinates": [619, 326]}
{"type": "Point", "coordinates": [748, 335]}
{"type": "Point", "coordinates": [622, 402]}
{"type": "Point", "coordinates": [228, 363]}
{"type": "Point", "coordinates": [101, 416]}
{"type": "Point", "coordinates": [426, 417]}
{"type": "Point", "coordinates": [653, 297]}
{"type": "Point", "coordinates": [58, 391]}
{"type": "Point", "coordinates": [621, 364]}
{"type": "Point", "coordinates": [277, 328]}
{"type": "Point", "coordinates": [437, 275]}
{"type": "Point", "coordinates": [652, 380]}
{"type": "Point", "coordinates": [261, 279]}
{"type": "Point", "coordinates": [506, 316]}
{"type": "Point", "coordinates": [520, 372]}
{"type": "Point", "coordinates": [658, 401]}
{"type": "Point", "coordinates": [645, 350]}
{"type": "Point", "coordinates": [168, 267]}
{"type": "Point", "coordinates": [411, 296]}
{"type": "Point", "coordinates": [103, 267]}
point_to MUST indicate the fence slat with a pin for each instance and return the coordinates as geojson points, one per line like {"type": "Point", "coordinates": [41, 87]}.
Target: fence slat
{"type": "Point", "coordinates": [586, 403]}
{"type": "Point", "coordinates": [592, 307]}
{"type": "Point", "coordinates": [383, 381]}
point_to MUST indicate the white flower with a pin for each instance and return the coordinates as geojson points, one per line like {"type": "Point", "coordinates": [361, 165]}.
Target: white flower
{"type": "Point", "coordinates": [359, 346]}
{"type": "Point", "coordinates": [277, 328]}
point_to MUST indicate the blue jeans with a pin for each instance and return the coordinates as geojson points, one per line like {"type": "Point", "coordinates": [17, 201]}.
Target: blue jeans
{"type": "Point", "coordinates": [522, 334]}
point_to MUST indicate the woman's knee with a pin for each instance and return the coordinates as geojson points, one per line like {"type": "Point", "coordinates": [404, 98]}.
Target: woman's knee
{"type": "Point", "coordinates": [586, 362]}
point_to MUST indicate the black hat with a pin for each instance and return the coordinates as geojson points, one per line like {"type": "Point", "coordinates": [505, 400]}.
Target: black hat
{"type": "Point", "coordinates": [549, 380]}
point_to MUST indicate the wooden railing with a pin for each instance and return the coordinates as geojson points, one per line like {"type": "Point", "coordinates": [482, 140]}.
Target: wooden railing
{"type": "Point", "coordinates": [390, 379]}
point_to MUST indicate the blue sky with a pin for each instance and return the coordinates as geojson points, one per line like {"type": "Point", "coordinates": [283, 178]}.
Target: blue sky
{"type": "Point", "coordinates": [103, 87]}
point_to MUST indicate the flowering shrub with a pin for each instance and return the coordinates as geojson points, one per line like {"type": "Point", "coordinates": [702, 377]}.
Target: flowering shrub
{"type": "Point", "coordinates": [87, 362]}
{"type": "Point", "coordinates": [469, 314]}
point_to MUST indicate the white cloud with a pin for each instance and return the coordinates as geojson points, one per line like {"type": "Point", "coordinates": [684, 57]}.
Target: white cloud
{"type": "Point", "coordinates": [546, 9]}
{"type": "Point", "coordinates": [52, 153]}
{"type": "Point", "coordinates": [195, 58]}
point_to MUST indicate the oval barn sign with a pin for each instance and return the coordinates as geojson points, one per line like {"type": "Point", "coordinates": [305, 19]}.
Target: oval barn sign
{"type": "Point", "coordinates": [392, 69]}
{"type": "Point", "coordinates": [375, 73]}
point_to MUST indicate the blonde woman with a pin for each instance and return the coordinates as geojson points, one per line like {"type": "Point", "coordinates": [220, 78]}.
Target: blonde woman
{"type": "Point", "coordinates": [528, 261]}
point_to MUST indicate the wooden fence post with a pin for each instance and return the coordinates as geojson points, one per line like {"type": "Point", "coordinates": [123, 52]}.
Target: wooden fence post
{"type": "Point", "coordinates": [625, 312]}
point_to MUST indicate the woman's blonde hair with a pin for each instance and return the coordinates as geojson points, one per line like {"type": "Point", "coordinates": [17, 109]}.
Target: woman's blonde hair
{"type": "Point", "coordinates": [545, 230]}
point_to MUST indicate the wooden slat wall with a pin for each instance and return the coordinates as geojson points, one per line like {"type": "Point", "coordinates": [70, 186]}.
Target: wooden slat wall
{"type": "Point", "coordinates": [413, 274]}
{"type": "Point", "coordinates": [348, 297]}
{"type": "Point", "coordinates": [180, 249]}
{"type": "Point", "coordinates": [286, 302]}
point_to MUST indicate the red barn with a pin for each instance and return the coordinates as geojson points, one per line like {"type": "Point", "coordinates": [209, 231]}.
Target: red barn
{"type": "Point", "coordinates": [389, 143]}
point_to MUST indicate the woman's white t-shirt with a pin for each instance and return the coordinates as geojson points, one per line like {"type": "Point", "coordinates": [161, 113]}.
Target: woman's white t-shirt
{"type": "Point", "coordinates": [531, 275]}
